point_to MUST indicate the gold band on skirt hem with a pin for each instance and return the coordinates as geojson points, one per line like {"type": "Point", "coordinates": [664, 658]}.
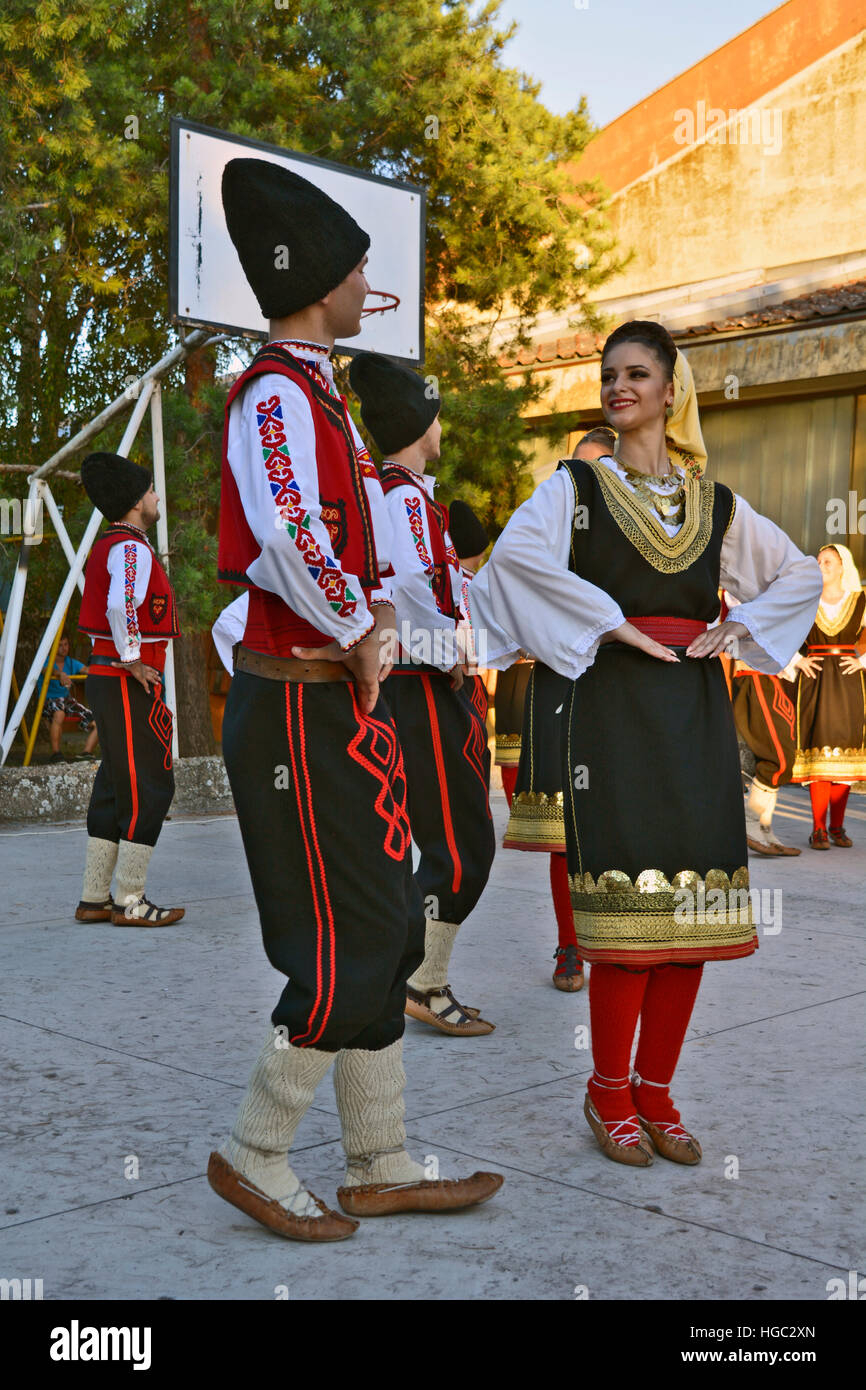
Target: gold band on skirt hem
{"type": "Point", "coordinates": [507, 752]}
{"type": "Point", "coordinates": [537, 821]}
{"type": "Point", "coordinates": [688, 916]}
{"type": "Point", "coordinates": [829, 764]}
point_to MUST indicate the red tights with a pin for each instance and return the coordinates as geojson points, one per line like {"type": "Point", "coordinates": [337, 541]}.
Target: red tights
{"type": "Point", "coordinates": [558, 874]}
{"type": "Point", "coordinates": [561, 894]}
{"type": "Point", "coordinates": [509, 778]}
{"type": "Point", "coordinates": [662, 997]}
{"type": "Point", "coordinates": [832, 794]}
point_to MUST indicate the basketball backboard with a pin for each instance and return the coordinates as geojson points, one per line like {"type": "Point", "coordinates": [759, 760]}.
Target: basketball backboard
{"type": "Point", "coordinates": [208, 288]}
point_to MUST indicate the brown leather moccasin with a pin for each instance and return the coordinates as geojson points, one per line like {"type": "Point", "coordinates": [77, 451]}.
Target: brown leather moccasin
{"type": "Point", "coordinates": [686, 1150]}
{"type": "Point", "coordinates": [233, 1187]}
{"type": "Point", "coordinates": [450, 1194]}
{"type": "Point", "coordinates": [638, 1155]}
{"type": "Point", "coordinates": [95, 912]}
{"type": "Point", "coordinates": [763, 847]}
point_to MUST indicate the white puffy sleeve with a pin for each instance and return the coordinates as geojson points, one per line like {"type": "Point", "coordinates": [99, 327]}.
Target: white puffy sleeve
{"type": "Point", "coordinates": [779, 588]}
{"type": "Point", "coordinates": [413, 581]}
{"type": "Point", "coordinates": [526, 597]}
{"type": "Point", "coordinates": [272, 454]}
{"type": "Point", "coordinates": [229, 628]}
{"type": "Point", "coordinates": [129, 565]}
{"type": "Point", "coordinates": [379, 516]}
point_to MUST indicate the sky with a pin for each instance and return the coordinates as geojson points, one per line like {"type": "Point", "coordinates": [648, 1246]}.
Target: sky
{"type": "Point", "coordinates": [615, 52]}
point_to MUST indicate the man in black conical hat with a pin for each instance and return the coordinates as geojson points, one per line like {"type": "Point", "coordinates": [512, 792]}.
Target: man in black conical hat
{"type": "Point", "coordinates": [311, 752]}
{"type": "Point", "coordinates": [129, 610]}
{"type": "Point", "coordinates": [440, 720]}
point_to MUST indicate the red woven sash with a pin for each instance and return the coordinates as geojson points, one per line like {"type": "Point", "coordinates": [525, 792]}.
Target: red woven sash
{"type": "Point", "coordinates": [671, 632]}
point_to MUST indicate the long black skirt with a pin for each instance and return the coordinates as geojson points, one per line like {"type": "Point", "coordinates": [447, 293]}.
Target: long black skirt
{"type": "Point", "coordinates": [654, 818]}
{"type": "Point", "coordinates": [537, 820]}
{"type": "Point", "coordinates": [508, 703]}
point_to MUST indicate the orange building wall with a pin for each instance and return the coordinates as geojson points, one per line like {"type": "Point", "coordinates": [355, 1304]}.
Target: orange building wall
{"type": "Point", "coordinates": [735, 75]}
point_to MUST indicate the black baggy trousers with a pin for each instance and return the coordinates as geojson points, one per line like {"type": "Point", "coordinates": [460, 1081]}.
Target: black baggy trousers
{"type": "Point", "coordinates": [134, 782]}
{"type": "Point", "coordinates": [320, 793]}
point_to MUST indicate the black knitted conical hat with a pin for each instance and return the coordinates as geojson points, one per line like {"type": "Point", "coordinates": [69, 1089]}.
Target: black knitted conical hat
{"type": "Point", "coordinates": [113, 483]}
{"type": "Point", "coordinates": [294, 242]}
{"type": "Point", "coordinates": [397, 405]}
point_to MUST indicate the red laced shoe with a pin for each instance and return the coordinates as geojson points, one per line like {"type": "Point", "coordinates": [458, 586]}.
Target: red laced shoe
{"type": "Point", "coordinates": [568, 974]}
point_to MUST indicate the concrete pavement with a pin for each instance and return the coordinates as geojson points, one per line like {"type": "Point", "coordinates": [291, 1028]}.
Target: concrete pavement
{"type": "Point", "coordinates": [128, 1051]}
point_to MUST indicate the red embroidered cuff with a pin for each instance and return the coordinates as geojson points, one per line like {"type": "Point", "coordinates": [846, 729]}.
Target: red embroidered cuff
{"type": "Point", "coordinates": [352, 645]}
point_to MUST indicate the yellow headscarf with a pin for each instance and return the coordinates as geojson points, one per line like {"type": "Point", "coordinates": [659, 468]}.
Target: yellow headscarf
{"type": "Point", "coordinates": [850, 578]}
{"type": "Point", "coordinates": [683, 426]}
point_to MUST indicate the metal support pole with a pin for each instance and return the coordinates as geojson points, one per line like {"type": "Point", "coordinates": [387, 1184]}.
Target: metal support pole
{"type": "Point", "coordinates": [196, 339]}
{"type": "Point", "coordinates": [62, 534]}
{"type": "Point", "coordinates": [40, 703]}
{"type": "Point", "coordinates": [9, 639]}
{"type": "Point", "coordinates": [162, 546]}
{"type": "Point", "coordinates": [65, 594]}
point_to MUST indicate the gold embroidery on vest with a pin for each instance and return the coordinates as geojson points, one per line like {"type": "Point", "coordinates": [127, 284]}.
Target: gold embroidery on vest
{"type": "Point", "coordinates": [833, 625]}
{"type": "Point", "coordinates": [667, 554]}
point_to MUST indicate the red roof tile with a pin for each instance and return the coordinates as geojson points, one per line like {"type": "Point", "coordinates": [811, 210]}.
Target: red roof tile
{"type": "Point", "coordinates": [840, 299]}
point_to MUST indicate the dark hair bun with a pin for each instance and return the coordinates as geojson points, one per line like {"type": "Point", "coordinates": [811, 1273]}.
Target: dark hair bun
{"type": "Point", "coordinates": [648, 334]}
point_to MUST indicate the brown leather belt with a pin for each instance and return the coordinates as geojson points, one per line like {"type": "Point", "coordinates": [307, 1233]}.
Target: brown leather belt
{"type": "Point", "coordinates": [287, 668]}
{"type": "Point", "coordinates": [824, 650]}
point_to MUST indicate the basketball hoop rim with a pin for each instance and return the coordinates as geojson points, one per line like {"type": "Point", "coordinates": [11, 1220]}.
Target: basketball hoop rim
{"type": "Point", "coordinates": [380, 308]}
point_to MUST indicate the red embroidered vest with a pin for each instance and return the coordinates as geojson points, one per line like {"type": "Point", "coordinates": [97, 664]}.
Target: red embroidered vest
{"type": "Point", "coordinates": [156, 615]}
{"type": "Point", "coordinates": [444, 558]}
{"type": "Point", "coordinates": [273, 626]}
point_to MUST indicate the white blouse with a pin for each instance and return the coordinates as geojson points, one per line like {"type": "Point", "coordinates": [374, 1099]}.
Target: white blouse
{"type": "Point", "coordinates": [526, 598]}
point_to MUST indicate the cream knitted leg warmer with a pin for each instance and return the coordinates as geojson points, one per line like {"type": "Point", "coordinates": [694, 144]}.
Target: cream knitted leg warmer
{"type": "Point", "coordinates": [439, 938]}
{"type": "Point", "coordinates": [132, 862]}
{"type": "Point", "coordinates": [98, 870]}
{"type": "Point", "coordinates": [369, 1088]}
{"type": "Point", "coordinates": [762, 803]}
{"type": "Point", "coordinates": [280, 1091]}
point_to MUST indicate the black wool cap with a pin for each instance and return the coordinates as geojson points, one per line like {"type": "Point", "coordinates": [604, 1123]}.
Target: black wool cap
{"type": "Point", "coordinates": [113, 483]}
{"type": "Point", "coordinates": [397, 405]}
{"type": "Point", "coordinates": [294, 242]}
{"type": "Point", "coordinates": [468, 534]}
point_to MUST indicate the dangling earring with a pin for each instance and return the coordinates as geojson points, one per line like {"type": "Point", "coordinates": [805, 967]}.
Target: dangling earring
{"type": "Point", "coordinates": [669, 410]}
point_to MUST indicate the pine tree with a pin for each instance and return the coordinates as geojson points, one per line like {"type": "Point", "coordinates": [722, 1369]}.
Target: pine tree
{"type": "Point", "coordinates": [419, 90]}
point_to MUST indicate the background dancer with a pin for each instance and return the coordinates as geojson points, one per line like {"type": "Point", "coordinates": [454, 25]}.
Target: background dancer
{"type": "Point", "coordinates": [765, 716]}
{"type": "Point", "coordinates": [537, 820]}
{"type": "Point", "coordinates": [303, 527]}
{"type": "Point", "coordinates": [128, 608]}
{"type": "Point", "coordinates": [831, 699]}
{"type": "Point", "coordinates": [440, 719]}
{"type": "Point", "coordinates": [621, 605]}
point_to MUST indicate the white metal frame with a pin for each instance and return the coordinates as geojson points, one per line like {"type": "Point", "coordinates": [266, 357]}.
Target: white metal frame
{"type": "Point", "coordinates": [144, 393]}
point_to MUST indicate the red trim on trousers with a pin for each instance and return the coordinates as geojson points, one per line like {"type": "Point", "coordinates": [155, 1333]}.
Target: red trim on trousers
{"type": "Point", "coordinates": [133, 780]}
{"type": "Point", "coordinates": [317, 885]}
{"type": "Point", "coordinates": [780, 756]}
{"type": "Point", "coordinates": [443, 783]}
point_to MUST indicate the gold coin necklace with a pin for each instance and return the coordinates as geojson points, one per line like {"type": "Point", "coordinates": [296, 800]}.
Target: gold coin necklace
{"type": "Point", "coordinates": [668, 506]}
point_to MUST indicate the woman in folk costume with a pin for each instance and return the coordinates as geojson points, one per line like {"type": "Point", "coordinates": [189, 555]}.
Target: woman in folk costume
{"type": "Point", "coordinates": [611, 573]}
{"type": "Point", "coordinates": [831, 698]}
{"type": "Point", "coordinates": [765, 717]}
{"type": "Point", "coordinates": [537, 820]}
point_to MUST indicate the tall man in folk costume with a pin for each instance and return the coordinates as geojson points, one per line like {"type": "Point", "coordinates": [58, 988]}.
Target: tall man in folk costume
{"type": "Point", "coordinates": [129, 610]}
{"type": "Point", "coordinates": [441, 726]}
{"type": "Point", "coordinates": [311, 751]}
